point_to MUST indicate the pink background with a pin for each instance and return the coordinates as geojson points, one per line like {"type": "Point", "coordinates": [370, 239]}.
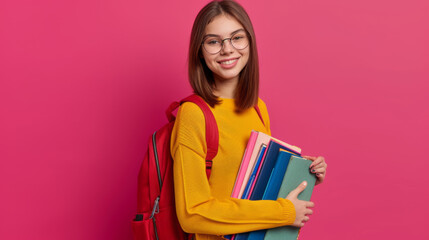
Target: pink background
{"type": "Point", "coordinates": [84, 83]}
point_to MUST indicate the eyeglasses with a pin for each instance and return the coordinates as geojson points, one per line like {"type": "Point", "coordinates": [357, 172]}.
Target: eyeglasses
{"type": "Point", "coordinates": [214, 44]}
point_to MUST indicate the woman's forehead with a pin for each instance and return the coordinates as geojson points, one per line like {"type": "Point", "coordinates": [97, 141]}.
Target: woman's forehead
{"type": "Point", "coordinates": [223, 25]}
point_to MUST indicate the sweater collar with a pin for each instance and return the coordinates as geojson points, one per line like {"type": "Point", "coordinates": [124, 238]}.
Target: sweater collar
{"type": "Point", "coordinates": [228, 103]}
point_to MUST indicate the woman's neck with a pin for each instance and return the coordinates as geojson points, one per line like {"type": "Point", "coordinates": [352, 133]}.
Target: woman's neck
{"type": "Point", "coordinates": [225, 88]}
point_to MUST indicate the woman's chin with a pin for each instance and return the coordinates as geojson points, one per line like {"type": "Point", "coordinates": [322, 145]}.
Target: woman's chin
{"type": "Point", "coordinates": [227, 77]}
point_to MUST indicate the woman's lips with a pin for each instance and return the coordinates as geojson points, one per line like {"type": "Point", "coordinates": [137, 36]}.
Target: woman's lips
{"type": "Point", "coordinates": [228, 63]}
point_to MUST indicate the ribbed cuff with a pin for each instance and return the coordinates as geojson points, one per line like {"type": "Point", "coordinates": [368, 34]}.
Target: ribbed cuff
{"type": "Point", "coordinates": [288, 210]}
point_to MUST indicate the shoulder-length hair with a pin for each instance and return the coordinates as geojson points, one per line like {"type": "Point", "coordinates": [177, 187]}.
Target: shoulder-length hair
{"type": "Point", "coordinates": [201, 77]}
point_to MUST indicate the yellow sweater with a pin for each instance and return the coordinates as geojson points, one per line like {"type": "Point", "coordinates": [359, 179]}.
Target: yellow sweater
{"type": "Point", "coordinates": [204, 206]}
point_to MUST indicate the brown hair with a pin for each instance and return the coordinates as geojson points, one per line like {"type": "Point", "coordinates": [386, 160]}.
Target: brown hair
{"type": "Point", "coordinates": [201, 77]}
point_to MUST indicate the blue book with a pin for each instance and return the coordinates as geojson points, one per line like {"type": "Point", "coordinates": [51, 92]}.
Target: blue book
{"type": "Point", "coordinates": [276, 178]}
{"type": "Point", "coordinates": [273, 186]}
{"type": "Point", "coordinates": [266, 169]}
{"type": "Point", "coordinates": [254, 171]}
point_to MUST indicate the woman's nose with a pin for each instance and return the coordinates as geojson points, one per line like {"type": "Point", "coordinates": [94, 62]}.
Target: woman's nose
{"type": "Point", "coordinates": [227, 47]}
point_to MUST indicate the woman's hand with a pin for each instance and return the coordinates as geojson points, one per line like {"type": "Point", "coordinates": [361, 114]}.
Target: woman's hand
{"type": "Point", "coordinates": [301, 207]}
{"type": "Point", "coordinates": [318, 167]}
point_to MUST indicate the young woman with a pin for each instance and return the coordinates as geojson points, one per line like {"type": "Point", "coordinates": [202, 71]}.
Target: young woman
{"type": "Point", "coordinates": [224, 71]}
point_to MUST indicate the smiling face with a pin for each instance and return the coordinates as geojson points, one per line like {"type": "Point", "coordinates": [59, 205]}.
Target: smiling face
{"type": "Point", "coordinates": [229, 61]}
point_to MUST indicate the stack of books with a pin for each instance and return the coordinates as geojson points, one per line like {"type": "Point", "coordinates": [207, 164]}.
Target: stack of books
{"type": "Point", "coordinates": [270, 169]}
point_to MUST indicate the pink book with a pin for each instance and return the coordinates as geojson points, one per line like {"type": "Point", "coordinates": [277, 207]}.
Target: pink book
{"type": "Point", "coordinates": [294, 148]}
{"type": "Point", "coordinates": [249, 157]}
{"type": "Point", "coordinates": [261, 139]}
{"type": "Point", "coordinates": [244, 164]}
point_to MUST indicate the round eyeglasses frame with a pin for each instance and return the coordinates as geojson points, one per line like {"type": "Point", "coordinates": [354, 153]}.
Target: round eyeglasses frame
{"type": "Point", "coordinates": [230, 42]}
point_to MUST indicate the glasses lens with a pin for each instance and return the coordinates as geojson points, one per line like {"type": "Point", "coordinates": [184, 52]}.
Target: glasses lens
{"type": "Point", "coordinates": [240, 40]}
{"type": "Point", "coordinates": [213, 44]}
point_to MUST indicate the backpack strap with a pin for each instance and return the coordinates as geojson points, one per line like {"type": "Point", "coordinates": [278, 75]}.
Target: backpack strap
{"type": "Point", "coordinates": [170, 110]}
{"type": "Point", "coordinates": [212, 132]}
{"type": "Point", "coordinates": [259, 114]}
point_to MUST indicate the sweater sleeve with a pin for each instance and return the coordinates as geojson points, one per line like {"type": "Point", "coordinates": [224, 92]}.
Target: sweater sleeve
{"type": "Point", "coordinates": [197, 210]}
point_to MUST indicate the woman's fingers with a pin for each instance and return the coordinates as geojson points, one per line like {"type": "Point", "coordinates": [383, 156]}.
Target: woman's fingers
{"type": "Point", "coordinates": [317, 161]}
{"type": "Point", "coordinates": [294, 193]}
{"type": "Point", "coordinates": [318, 164]}
{"type": "Point", "coordinates": [320, 178]}
{"type": "Point", "coordinates": [309, 204]}
{"type": "Point", "coordinates": [320, 169]}
{"type": "Point", "coordinates": [309, 158]}
{"type": "Point", "coordinates": [320, 175]}
{"type": "Point", "coordinates": [309, 212]}
{"type": "Point", "coordinates": [302, 209]}
{"type": "Point", "coordinates": [320, 172]}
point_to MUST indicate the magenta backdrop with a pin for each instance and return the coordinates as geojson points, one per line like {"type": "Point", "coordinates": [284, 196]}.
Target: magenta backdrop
{"type": "Point", "coordinates": [83, 83]}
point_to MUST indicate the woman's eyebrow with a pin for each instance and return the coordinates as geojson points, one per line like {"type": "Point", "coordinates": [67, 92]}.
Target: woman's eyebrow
{"type": "Point", "coordinates": [215, 35]}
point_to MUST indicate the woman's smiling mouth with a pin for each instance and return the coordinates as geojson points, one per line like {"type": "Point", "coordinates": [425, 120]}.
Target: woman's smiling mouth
{"type": "Point", "coordinates": [228, 63]}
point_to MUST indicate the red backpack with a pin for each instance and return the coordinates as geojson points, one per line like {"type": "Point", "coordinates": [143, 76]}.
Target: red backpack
{"type": "Point", "coordinates": [156, 211]}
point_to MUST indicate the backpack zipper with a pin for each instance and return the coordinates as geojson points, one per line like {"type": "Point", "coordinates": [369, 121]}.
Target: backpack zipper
{"type": "Point", "coordinates": [157, 161]}
{"type": "Point", "coordinates": [155, 209]}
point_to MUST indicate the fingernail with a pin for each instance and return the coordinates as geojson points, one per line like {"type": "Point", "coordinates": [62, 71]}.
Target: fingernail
{"type": "Point", "coordinates": [313, 170]}
{"type": "Point", "coordinates": [305, 183]}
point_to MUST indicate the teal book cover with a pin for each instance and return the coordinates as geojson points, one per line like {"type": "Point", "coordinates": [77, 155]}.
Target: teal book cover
{"type": "Point", "coordinates": [297, 171]}
{"type": "Point", "coordinates": [273, 186]}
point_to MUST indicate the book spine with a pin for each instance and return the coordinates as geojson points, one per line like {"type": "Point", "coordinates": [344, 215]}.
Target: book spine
{"type": "Point", "coordinates": [244, 164]}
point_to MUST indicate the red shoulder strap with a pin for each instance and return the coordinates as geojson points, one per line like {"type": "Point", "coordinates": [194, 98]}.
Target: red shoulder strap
{"type": "Point", "coordinates": [259, 114]}
{"type": "Point", "coordinates": [212, 132]}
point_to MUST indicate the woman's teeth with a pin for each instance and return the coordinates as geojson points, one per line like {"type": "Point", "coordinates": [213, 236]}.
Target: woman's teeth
{"type": "Point", "coordinates": [229, 61]}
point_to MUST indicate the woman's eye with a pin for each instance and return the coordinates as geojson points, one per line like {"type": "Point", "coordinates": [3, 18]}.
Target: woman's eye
{"type": "Point", "coordinates": [212, 42]}
{"type": "Point", "coordinates": [237, 38]}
